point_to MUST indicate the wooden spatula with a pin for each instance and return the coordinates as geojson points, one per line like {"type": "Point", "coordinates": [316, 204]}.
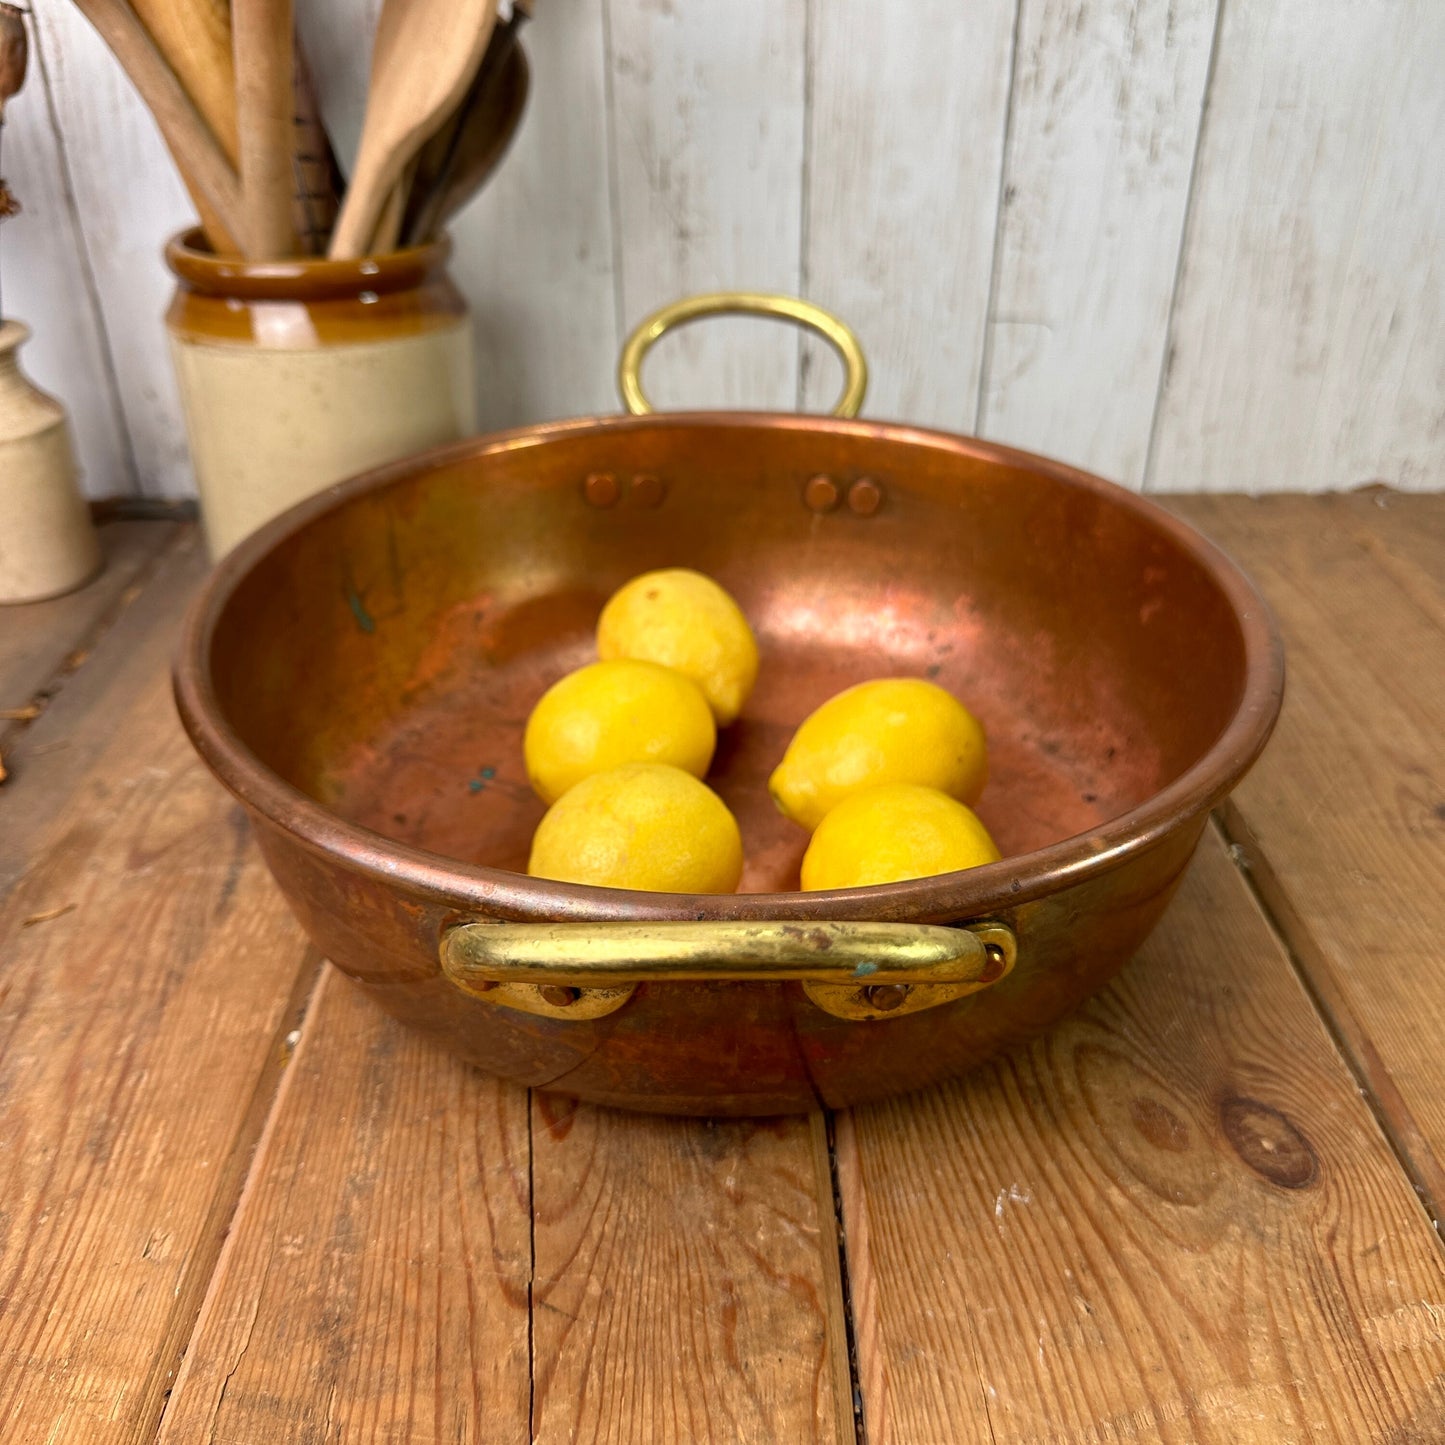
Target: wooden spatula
{"type": "Point", "coordinates": [425, 55]}
{"type": "Point", "coordinates": [459, 160]}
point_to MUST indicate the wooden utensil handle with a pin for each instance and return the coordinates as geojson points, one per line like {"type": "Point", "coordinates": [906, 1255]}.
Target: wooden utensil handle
{"type": "Point", "coordinates": [186, 134]}
{"type": "Point", "coordinates": [194, 37]}
{"type": "Point", "coordinates": [262, 36]}
{"type": "Point", "coordinates": [388, 226]}
{"type": "Point", "coordinates": [218, 235]}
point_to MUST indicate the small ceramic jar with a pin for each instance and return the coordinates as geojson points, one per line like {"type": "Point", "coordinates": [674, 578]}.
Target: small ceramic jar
{"type": "Point", "coordinates": [47, 543]}
{"type": "Point", "coordinates": [296, 373]}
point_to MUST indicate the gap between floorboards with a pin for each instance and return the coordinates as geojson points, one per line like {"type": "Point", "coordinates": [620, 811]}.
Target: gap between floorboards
{"type": "Point", "coordinates": [247, 1150]}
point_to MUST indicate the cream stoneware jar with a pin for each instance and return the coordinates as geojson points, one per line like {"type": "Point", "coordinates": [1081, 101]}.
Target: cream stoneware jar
{"type": "Point", "coordinates": [47, 543]}
{"type": "Point", "coordinates": [296, 373]}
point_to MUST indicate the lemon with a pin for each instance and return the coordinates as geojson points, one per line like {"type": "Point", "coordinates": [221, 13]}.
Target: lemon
{"type": "Point", "coordinates": [892, 832]}
{"type": "Point", "coordinates": [643, 825]}
{"type": "Point", "coordinates": [894, 730]}
{"type": "Point", "coordinates": [610, 713]}
{"type": "Point", "coordinates": [684, 620]}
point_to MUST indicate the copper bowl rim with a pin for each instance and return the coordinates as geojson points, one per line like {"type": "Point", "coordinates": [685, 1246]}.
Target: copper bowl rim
{"type": "Point", "coordinates": [974, 893]}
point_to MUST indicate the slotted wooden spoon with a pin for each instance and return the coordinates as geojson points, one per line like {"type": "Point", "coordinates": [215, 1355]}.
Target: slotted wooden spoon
{"type": "Point", "coordinates": [425, 55]}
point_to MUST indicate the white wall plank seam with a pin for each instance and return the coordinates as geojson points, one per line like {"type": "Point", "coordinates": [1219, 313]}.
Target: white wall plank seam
{"type": "Point", "coordinates": [985, 360]}
{"type": "Point", "coordinates": [1166, 354]}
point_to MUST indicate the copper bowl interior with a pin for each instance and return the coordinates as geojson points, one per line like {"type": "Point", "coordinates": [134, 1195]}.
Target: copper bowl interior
{"type": "Point", "coordinates": [380, 653]}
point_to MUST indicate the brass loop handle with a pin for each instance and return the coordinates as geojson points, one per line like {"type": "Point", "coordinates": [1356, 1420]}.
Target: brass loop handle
{"type": "Point", "coordinates": [854, 970]}
{"type": "Point", "coordinates": [749, 303]}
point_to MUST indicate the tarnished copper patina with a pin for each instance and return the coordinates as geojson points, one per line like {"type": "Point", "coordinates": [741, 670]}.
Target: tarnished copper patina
{"type": "Point", "coordinates": [359, 674]}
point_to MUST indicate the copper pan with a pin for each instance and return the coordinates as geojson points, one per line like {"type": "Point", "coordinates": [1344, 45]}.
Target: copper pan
{"type": "Point", "coordinates": [359, 673]}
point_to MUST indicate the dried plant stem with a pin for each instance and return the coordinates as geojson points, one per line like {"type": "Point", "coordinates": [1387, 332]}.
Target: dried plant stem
{"type": "Point", "coordinates": [14, 59]}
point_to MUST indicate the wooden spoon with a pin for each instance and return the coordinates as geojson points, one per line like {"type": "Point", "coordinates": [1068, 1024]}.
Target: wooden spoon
{"type": "Point", "coordinates": [262, 34]}
{"type": "Point", "coordinates": [425, 55]}
{"type": "Point", "coordinates": [198, 153]}
{"type": "Point", "coordinates": [195, 38]}
{"type": "Point", "coordinates": [456, 164]}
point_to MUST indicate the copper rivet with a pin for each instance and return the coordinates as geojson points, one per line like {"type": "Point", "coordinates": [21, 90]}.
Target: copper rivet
{"type": "Point", "coordinates": [864, 497]}
{"type": "Point", "coordinates": [601, 489]}
{"type": "Point", "coordinates": [558, 995]}
{"type": "Point", "coordinates": [821, 494]}
{"type": "Point", "coordinates": [647, 490]}
{"type": "Point", "coordinates": [885, 997]}
{"type": "Point", "coordinates": [997, 961]}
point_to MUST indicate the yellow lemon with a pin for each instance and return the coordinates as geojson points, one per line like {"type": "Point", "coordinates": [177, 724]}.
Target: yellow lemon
{"type": "Point", "coordinates": [892, 832]}
{"type": "Point", "coordinates": [684, 620]}
{"type": "Point", "coordinates": [610, 713]}
{"type": "Point", "coordinates": [640, 826]}
{"type": "Point", "coordinates": [894, 730]}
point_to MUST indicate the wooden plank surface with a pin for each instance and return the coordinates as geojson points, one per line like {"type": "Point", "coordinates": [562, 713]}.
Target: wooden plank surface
{"type": "Point", "coordinates": [39, 639]}
{"type": "Point", "coordinates": [376, 1281]}
{"type": "Point", "coordinates": [1106, 108]}
{"type": "Point", "coordinates": [1344, 818]}
{"type": "Point", "coordinates": [1309, 331]}
{"type": "Point", "coordinates": [1172, 1219]}
{"type": "Point", "coordinates": [49, 284]}
{"type": "Point", "coordinates": [454, 1273]}
{"type": "Point", "coordinates": [51, 756]}
{"type": "Point", "coordinates": [1403, 535]}
{"type": "Point", "coordinates": [906, 121]}
{"type": "Point", "coordinates": [150, 975]}
{"type": "Point", "coordinates": [706, 126]}
{"type": "Point", "coordinates": [687, 1280]}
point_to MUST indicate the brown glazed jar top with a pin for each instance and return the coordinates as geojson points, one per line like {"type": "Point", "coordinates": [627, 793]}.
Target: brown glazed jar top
{"type": "Point", "coordinates": [304, 301]}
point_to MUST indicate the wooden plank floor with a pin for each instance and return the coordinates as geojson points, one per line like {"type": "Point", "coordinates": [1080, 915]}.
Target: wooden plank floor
{"type": "Point", "coordinates": [149, 979]}
{"type": "Point", "coordinates": [46, 641]}
{"type": "Point", "coordinates": [1344, 823]}
{"type": "Point", "coordinates": [237, 1204]}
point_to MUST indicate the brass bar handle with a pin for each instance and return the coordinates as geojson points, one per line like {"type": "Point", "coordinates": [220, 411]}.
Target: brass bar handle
{"type": "Point", "coordinates": [749, 303]}
{"type": "Point", "coordinates": [853, 969]}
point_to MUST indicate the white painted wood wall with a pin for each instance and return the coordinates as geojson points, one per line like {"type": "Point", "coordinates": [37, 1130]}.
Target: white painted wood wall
{"type": "Point", "coordinates": [1187, 243]}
